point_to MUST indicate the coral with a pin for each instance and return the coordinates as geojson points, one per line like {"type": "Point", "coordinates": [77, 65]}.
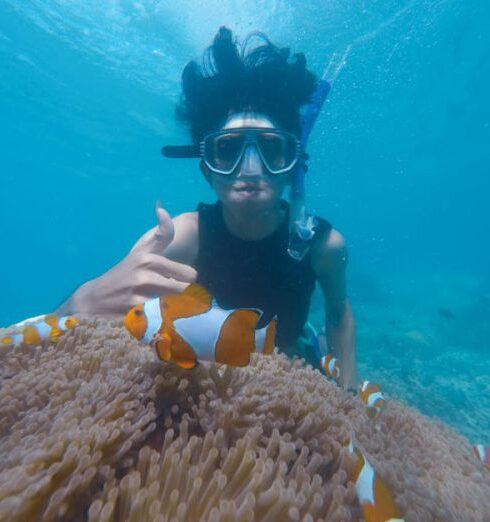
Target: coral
{"type": "Point", "coordinates": [97, 428]}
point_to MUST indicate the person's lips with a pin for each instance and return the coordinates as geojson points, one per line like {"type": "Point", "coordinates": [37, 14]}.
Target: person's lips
{"type": "Point", "coordinates": [247, 188]}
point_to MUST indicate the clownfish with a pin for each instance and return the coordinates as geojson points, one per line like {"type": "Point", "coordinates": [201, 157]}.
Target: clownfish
{"type": "Point", "coordinates": [190, 327]}
{"type": "Point", "coordinates": [376, 501]}
{"type": "Point", "coordinates": [329, 363]}
{"type": "Point", "coordinates": [372, 396]}
{"type": "Point", "coordinates": [330, 366]}
{"type": "Point", "coordinates": [50, 328]}
{"type": "Point", "coordinates": [483, 454]}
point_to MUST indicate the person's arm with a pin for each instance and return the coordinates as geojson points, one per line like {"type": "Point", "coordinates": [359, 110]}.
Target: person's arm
{"type": "Point", "coordinates": [329, 259]}
{"type": "Point", "coordinates": [145, 272]}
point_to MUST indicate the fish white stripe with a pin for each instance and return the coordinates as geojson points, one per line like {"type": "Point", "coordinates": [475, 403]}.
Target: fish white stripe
{"type": "Point", "coordinates": [29, 320]}
{"type": "Point", "coordinates": [260, 334]}
{"type": "Point", "coordinates": [201, 332]}
{"type": "Point", "coordinates": [17, 339]}
{"type": "Point", "coordinates": [365, 384]}
{"type": "Point", "coordinates": [43, 329]}
{"type": "Point", "coordinates": [154, 319]}
{"type": "Point", "coordinates": [373, 398]}
{"type": "Point", "coordinates": [364, 484]}
{"type": "Point", "coordinates": [62, 323]}
{"type": "Point", "coordinates": [481, 451]}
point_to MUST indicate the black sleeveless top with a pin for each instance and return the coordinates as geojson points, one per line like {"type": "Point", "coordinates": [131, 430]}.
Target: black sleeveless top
{"type": "Point", "coordinates": [256, 274]}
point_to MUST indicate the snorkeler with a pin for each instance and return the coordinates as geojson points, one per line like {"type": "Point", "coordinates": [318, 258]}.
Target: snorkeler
{"type": "Point", "coordinates": [243, 110]}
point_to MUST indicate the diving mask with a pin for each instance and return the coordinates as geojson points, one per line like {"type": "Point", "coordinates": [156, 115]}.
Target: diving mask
{"type": "Point", "coordinates": [223, 151]}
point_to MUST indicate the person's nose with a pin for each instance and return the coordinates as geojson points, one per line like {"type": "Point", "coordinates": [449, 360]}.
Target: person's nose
{"type": "Point", "coordinates": [251, 164]}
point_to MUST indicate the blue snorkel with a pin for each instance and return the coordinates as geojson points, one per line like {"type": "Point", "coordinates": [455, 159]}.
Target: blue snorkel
{"type": "Point", "coordinates": [301, 224]}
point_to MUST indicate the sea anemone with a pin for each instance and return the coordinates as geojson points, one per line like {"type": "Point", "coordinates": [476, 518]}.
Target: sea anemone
{"type": "Point", "coordinates": [97, 428]}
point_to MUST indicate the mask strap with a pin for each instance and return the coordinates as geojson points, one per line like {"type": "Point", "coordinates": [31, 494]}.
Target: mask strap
{"type": "Point", "coordinates": [181, 151]}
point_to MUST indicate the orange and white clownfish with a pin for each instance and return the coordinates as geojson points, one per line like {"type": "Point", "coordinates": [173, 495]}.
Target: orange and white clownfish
{"type": "Point", "coordinates": [50, 328]}
{"type": "Point", "coordinates": [329, 363]}
{"type": "Point", "coordinates": [483, 454]}
{"type": "Point", "coordinates": [376, 501]}
{"type": "Point", "coordinates": [372, 396]}
{"type": "Point", "coordinates": [331, 366]}
{"type": "Point", "coordinates": [190, 327]}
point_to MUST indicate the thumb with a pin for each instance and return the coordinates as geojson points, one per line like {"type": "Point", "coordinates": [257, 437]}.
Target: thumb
{"type": "Point", "coordinates": [165, 230]}
{"type": "Point", "coordinates": [158, 238]}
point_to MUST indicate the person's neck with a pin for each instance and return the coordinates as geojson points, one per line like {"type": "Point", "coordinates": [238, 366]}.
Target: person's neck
{"type": "Point", "coordinates": [253, 225]}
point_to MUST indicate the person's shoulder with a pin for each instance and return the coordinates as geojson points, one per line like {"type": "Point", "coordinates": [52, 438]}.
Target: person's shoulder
{"type": "Point", "coordinates": [329, 253]}
{"type": "Point", "coordinates": [187, 220]}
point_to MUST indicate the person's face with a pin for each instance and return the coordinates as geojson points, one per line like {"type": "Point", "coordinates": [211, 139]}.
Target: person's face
{"type": "Point", "coordinates": [250, 186]}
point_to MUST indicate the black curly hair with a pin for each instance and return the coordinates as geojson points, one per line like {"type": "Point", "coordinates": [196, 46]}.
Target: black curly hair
{"type": "Point", "coordinates": [262, 79]}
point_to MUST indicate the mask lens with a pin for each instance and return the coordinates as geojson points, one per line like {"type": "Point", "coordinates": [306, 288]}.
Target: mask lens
{"type": "Point", "coordinates": [223, 151]}
{"type": "Point", "coordinates": [278, 151]}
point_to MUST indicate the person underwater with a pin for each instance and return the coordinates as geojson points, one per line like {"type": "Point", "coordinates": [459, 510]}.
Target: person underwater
{"type": "Point", "coordinates": [244, 106]}
{"type": "Point", "coordinates": [190, 327]}
{"type": "Point", "coordinates": [50, 328]}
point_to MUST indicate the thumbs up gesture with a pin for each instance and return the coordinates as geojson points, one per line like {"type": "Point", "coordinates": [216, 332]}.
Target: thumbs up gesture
{"type": "Point", "coordinates": [145, 273]}
{"type": "Point", "coordinates": [157, 239]}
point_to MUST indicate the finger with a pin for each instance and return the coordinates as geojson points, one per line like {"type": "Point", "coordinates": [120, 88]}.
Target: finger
{"type": "Point", "coordinates": [158, 286]}
{"type": "Point", "coordinates": [164, 233]}
{"type": "Point", "coordinates": [157, 239]}
{"type": "Point", "coordinates": [168, 268]}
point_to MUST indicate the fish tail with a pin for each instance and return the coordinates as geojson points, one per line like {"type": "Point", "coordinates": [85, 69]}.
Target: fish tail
{"type": "Point", "coordinates": [236, 340]}
{"type": "Point", "coordinates": [270, 337]}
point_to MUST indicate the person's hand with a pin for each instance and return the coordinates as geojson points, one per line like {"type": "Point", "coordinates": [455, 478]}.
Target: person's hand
{"type": "Point", "coordinates": [142, 275]}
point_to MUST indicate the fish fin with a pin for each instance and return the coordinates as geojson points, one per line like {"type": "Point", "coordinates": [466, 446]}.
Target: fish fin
{"type": "Point", "coordinates": [51, 320]}
{"type": "Point", "coordinates": [172, 348]}
{"type": "Point", "coordinates": [182, 353]}
{"type": "Point", "coordinates": [163, 345]}
{"type": "Point", "coordinates": [31, 335]}
{"type": "Point", "coordinates": [384, 506]}
{"type": "Point", "coordinates": [270, 337]}
{"type": "Point", "coordinates": [198, 292]}
{"type": "Point", "coordinates": [55, 334]}
{"type": "Point", "coordinates": [186, 364]}
{"type": "Point", "coordinates": [194, 300]}
{"type": "Point", "coordinates": [236, 340]}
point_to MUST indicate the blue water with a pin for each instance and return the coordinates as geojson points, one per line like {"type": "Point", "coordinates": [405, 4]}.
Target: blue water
{"type": "Point", "coordinates": [400, 163]}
